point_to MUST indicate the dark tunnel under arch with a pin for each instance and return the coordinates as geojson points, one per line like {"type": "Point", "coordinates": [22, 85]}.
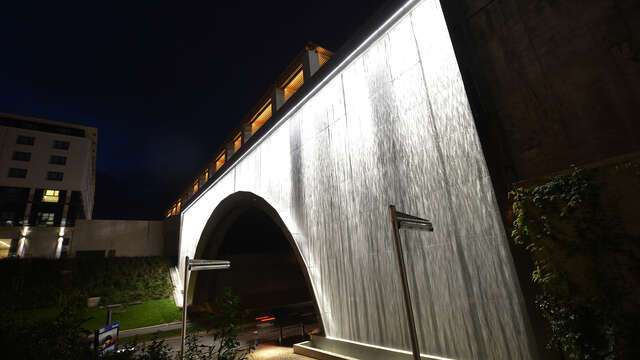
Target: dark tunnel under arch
{"type": "Point", "coordinates": [270, 274]}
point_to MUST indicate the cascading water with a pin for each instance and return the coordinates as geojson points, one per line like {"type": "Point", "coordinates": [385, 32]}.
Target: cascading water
{"type": "Point", "coordinates": [392, 127]}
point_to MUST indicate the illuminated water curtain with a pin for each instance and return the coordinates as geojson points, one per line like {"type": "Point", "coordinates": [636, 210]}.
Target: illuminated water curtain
{"type": "Point", "coordinates": [391, 124]}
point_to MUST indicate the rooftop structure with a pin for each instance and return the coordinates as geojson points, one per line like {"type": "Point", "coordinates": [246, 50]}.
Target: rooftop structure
{"type": "Point", "coordinates": [301, 69]}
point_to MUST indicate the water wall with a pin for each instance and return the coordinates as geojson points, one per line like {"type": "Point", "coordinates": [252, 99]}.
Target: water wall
{"type": "Point", "coordinates": [391, 125]}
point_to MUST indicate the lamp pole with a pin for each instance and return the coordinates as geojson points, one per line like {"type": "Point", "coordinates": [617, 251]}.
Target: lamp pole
{"type": "Point", "coordinates": [195, 265]}
{"type": "Point", "coordinates": [400, 220]}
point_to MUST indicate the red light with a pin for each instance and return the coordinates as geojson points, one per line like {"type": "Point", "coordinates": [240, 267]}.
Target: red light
{"type": "Point", "coordinates": [268, 319]}
{"type": "Point", "coordinates": [261, 317]}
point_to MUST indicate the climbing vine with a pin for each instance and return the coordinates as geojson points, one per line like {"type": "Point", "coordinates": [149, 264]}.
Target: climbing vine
{"type": "Point", "coordinates": [585, 259]}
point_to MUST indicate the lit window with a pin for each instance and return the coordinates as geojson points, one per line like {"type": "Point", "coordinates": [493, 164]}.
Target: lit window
{"type": "Point", "coordinates": [52, 196]}
{"type": "Point", "coordinates": [46, 218]}
{"type": "Point", "coordinates": [178, 206]}
{"type": "Point", "coordinates": [323, 55]}
{"type": "Point", "coordinates": [169, 213]}
{"type": "Point", "coordinates": [237, 142]}
{"type": "Point", "coordinates": [195, 187]}
{"type": "Point", "coordinates": [261, 117]}
{"type": "Point", "coordinates": [5, 245]}
{"type": "Point", "coordinates": [206, 175]}
{"type": "Point", "coordinates": [294, 83]}
{"type": "Point", "coordinates": [220, 160]}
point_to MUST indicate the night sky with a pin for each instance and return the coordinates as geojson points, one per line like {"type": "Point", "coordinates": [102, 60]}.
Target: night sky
{"type": "Point", "coordinates": [164, 82]}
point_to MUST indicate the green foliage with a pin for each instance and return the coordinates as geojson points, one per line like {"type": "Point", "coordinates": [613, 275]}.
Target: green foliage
{"type": "Point", "coordinates": [583, 262]}
{"type": "Point", "coordinates": [156, 350]}
{"type": "Point", "coordinates": [37, 283]}
{"type": "Point", "coordinates": [63, 338]}
{"type": "Point", "coordinates": [224, 319]}
{"type": "Point", "coordinates": [121, 280]}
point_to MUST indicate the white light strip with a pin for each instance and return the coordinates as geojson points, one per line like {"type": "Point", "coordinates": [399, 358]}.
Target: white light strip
{"type": "Point", "coordinates": [59, 247]}
{"type": "Point", "coordinates": [312, 92]}
{"type": "Point", "coordinates": [5, 244]}
{"type": "Point", "coordinates": [21, 246]}
{"type": "Point", "coordinates": [389, 349]}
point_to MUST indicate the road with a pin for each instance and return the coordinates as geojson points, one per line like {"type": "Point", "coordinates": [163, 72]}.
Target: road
{"type": "Point", "coordinates": [267, 335]}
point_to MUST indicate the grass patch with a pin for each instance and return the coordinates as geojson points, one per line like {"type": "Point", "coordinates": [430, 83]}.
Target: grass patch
{"type": "Point", "coordinates": [151, 312]}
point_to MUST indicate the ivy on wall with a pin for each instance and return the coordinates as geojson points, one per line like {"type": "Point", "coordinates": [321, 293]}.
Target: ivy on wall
{"type": "Point", "coordinates": [580, 232]}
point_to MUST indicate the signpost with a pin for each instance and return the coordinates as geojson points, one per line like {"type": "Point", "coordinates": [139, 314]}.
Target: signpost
{"type": "Point", "coordinates": [106, 338]}
{"type": "Point", "coordinates": [189, 266]}
{"type": "Point", "coordinates": [403, 221]}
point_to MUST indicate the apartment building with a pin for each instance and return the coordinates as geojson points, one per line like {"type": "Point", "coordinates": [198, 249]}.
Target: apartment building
{"type": "Point", "coordinates": [47, 181]}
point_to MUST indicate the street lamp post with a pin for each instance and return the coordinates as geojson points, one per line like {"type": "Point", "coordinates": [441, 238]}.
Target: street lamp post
{"type": "Point", "coordinates": [398, 221]}
{"type": "Point", "coordinates": [189, 266]}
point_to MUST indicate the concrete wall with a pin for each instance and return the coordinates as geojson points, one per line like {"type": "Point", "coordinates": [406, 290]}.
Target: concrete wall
{"type": "Point", "coordinates": [127, 237]}
{"type": "Point", "coordinates": [40, 242]}
{"type": "Point", "coordinates": [554, 82]}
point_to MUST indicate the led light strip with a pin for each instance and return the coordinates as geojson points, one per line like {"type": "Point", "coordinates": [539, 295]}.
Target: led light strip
{"type": "Point", "coordinates": [312, 92]}
{"type": "Point", "coordinates": [388, 349]}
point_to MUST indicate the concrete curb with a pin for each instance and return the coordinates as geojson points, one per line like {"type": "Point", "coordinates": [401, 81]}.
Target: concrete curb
{"type": "Point", "coordinates": [149, 329]}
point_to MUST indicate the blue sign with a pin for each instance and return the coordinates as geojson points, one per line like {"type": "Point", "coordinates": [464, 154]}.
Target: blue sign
{"type": "Point", "coordinates": [106, 337]}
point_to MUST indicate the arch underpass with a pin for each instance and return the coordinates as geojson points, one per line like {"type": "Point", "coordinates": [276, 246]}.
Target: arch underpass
{"type": "Point", "coordinates": [267, 273]}
{"type": "Point", "coordinates": [387, 123]}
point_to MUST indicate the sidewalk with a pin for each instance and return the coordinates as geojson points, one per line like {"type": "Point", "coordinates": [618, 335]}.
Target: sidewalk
{"type": "Point", "coordinates": [149, 329]}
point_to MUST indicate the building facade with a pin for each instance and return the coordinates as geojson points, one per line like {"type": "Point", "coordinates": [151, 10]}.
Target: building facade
{"type": "Point", "coordinates": [47, 181]}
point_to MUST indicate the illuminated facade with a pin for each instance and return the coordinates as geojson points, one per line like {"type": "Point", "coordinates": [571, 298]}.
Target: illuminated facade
{"type": "Point", "coordinates": [388, 123]}
{"type": "Point", "coordinates": [47, 181]}
{"type": "Point", "coordinates": [305, 64]}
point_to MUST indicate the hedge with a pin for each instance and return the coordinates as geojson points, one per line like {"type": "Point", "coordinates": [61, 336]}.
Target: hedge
{"type": "Point", "coordinates": [35, 283]}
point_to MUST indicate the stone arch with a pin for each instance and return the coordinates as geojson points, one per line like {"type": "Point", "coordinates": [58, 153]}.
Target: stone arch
{"type": "Point", "coordinates": [222, 219]}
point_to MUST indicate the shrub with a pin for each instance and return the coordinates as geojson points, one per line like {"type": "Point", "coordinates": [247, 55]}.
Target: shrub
{"type": "Point", "coordinates": [580, 235]}
{"type": "Point", "coordinates": [36, 283]}
{"type": "Point", "coordinates": [63, 338]}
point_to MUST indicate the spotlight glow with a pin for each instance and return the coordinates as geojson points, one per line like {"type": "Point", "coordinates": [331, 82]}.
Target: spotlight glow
{"type": "Point", "coordinates": [59, 246]}
{"type": "Point", "coordinates": [21, 246]}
